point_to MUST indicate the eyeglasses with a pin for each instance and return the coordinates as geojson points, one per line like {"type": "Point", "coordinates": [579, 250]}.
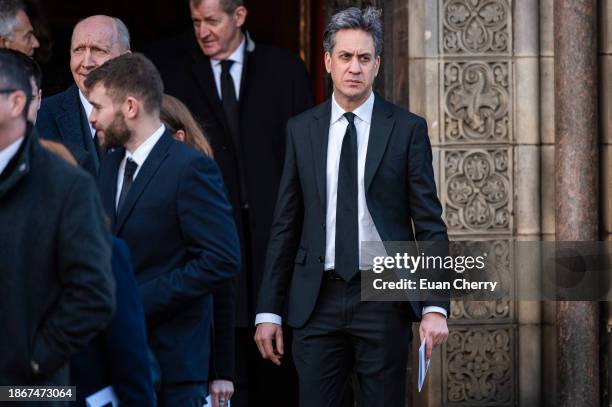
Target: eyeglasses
{"type": "Point", "coordinates": [8, 90]}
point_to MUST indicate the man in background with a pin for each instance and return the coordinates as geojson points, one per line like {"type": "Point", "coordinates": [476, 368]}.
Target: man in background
{"type": "Point", "coordinates": [64, 117]}
{"type": "Point", "coordinates": [242, 93]}
{"type": "Point", "coordinates": [16, 31]}
{"type": "Point", "coordinates": [58, 291]}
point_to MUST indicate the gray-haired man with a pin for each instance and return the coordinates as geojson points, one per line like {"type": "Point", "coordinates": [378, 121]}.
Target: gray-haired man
{"type": "Point", "coordinates": [357, 168]}
{"type": "Point", "coordinates": [16, 31]}
{"type": "Point", "coordinates": [64, 117]}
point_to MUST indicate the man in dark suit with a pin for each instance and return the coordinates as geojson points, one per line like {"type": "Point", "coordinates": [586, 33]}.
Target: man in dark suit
{"type": "Point", "coordinates": [57, 289]}
{"type": "Point", "coordinates": [357, 169]}
{"type": "Point", "coordinates": [243, 94]}
{"type": "Point", "coordinates": [167, 202]}
{"type": "Point", "coordinates": [63, 117]}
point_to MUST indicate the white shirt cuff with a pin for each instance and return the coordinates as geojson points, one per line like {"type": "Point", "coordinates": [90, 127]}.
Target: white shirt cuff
{"type": "Point", "coordinates": [431, 308]}
{"type": "Point", "coordinates": [268, 317]}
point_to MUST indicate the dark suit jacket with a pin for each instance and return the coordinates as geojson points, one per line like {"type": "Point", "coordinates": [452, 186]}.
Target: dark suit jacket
{"type": "Point", "coordinates": [178, 225]}
{"type": "Point", "coordinates": [274, 87]}
{"type": "Point", "coordinates": [57, 289]}
{"type": "Point", "coordinates": [62, 118]}
{"type": "Point", "coordinates": [400, 189]}
{"type": "Point", "coordinates": [118, 356]}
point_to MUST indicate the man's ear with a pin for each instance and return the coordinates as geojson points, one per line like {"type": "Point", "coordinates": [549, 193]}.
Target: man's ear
{"type": "Point", "coordinates": [17, 101]}
{"type": "Point", "coordinates": [240, 15]}
{"type": "Point", "coordinates": [132, 107]}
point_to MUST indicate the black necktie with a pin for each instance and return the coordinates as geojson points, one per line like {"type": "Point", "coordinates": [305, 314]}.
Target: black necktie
{"type": "Point", "coordinates": [347, 221]}
{"type": "Point", "coordinates": [128, 179]}
{"type": "Point", "coordinates": [231, 108]}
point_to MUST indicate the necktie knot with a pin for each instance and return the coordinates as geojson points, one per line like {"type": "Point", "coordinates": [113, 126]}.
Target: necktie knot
{"type": "Point", "coordinates": [226, 65]}
{"type": "Point", "coordinates": [130, 168]}
{"type": "Point", "coordinates": [350, 116]}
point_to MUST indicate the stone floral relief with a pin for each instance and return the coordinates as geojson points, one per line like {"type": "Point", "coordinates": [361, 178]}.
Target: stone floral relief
{"type": "Point", "coordinates": [475, 27]}
{"type": "Point", "coordinates": [477, 190]}
{"type": "Point", "coordinates": [476, 102]}
{"type": "Point", "coordinates": [478, 366]}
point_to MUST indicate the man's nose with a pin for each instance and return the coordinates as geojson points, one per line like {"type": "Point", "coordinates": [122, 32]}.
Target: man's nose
{"type": "Point", "coordinates": [203, 31]}
{"type": "Point", "coordinates": [355, 67]}
{"type": "Point", "coordinates": [88, 60]}
{"type": "Point", "coordinates": [35, 43]}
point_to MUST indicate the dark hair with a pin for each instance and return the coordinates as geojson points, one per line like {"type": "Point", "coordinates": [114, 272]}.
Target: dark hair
{"type": "Point", "coordinates": [129, 74]}
{"type": "Point", "coordinates": [13, 75]}
{"type": "Point", "coordinates": [367, 20]}
{"type": "Point", "coordinates": [31, 67]}
{"type": "Point", "coordinates": [229, 6]}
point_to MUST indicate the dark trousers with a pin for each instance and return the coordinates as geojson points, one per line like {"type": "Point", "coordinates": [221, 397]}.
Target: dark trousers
{"type": "Point", "coordinates": [346, 338]}
{"type": "Point", "coordinates": [191, 394]}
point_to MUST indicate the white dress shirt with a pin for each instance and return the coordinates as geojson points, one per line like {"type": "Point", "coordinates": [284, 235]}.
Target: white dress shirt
{"type": "Point", "coordinates": [88, 108]}
{"type": "Point", "coordinates": [235, 70]}
{"type": "Point", "coordinates": [139, 156]}
{"type": "Point", "coordinates": [8, 153]}
{"type": "Point", "coordinates": [367, 229]}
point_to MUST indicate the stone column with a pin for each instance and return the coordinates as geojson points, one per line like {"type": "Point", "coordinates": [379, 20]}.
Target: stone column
{"type": "Point", "coordinates": [576, 174]}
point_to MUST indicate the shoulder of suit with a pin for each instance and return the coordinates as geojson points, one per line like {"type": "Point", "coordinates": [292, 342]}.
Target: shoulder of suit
{"type": "Point", "coordinates": [51, 166]}
{"type": "Point", "coordinates": [280, 56]}
{"type": "Point", "coordinates": [55, 101]}
{"type": "Point", "coordinates": [401, 113]}
{"type": "Point", "coordinates": [304, 117]}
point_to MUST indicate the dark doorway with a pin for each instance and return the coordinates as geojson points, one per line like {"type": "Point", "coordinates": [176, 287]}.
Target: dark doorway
{"type": "Point", "coordinates": [275, 22]}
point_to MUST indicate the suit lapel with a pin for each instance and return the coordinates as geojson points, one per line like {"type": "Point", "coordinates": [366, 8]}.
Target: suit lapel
{"type": "Point", "coordinates": [202, 71]}
{"type": "Point", "coordinates": [146, 173]}
{"type": "Point", "coordinates": [380, 130]}
{"type": "Point", "coordinates": [69, 122]}
{"type": "Point", "coordinates": [319, 134]}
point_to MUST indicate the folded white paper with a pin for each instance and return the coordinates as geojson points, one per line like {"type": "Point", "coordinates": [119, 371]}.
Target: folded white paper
{"type": "Point", "coordinates": [209, 402]}
{"type": "Point", "coordinates": [423, 364]}
{"type": "Point", "coordinates": [103, 398]}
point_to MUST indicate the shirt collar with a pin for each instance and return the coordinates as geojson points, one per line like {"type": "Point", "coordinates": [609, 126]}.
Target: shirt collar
{"type": "Point", "coordinates": [237, 56]}
{"type": "Point", "coordinates": [9, 152]}
{"type": "Point", "coordinates": [88, 107]}
{"type": "Point", "coordinates": [363, 112]}
{"type": "Point", "coordinates": [142, 152]}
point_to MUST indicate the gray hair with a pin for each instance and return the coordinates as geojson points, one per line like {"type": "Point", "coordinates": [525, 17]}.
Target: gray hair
{"type": "Point", "coordinates": [8, 16]}
{"type": "Point", "coordinates": [229, 6]}
{"type": "Point", "coordinates": [367, 20]}
{"type": "Point", "coordinates": [123, 34]}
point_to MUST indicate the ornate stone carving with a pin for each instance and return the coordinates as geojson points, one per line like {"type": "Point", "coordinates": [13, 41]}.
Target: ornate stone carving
{"type": "Point", "coordinates": [476, 102]}
{"type": "Point", "coordinates": [481, 310]}
{"type": "Point", "coordinates": [477, 190]}
{"type": "Point", "coordinates": [478, 366]}
{"type": "Point", "coordinates": [475, 27]}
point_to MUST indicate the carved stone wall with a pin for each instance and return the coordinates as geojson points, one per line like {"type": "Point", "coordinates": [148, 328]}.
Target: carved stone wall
{"type": "Point", "coordinates": [473, 67]}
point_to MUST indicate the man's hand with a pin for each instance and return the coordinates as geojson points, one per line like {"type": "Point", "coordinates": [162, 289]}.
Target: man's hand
{"type": "Point", "coordinates": [433, 327]}
{"type": "Point", "coordinates": [269, 340]}
{"type": "Point", "coordinates": [220, 392]}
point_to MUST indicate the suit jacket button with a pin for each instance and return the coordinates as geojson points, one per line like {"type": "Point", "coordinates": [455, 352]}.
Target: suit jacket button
{"type": "Point", "coordinates": [321, 259]}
